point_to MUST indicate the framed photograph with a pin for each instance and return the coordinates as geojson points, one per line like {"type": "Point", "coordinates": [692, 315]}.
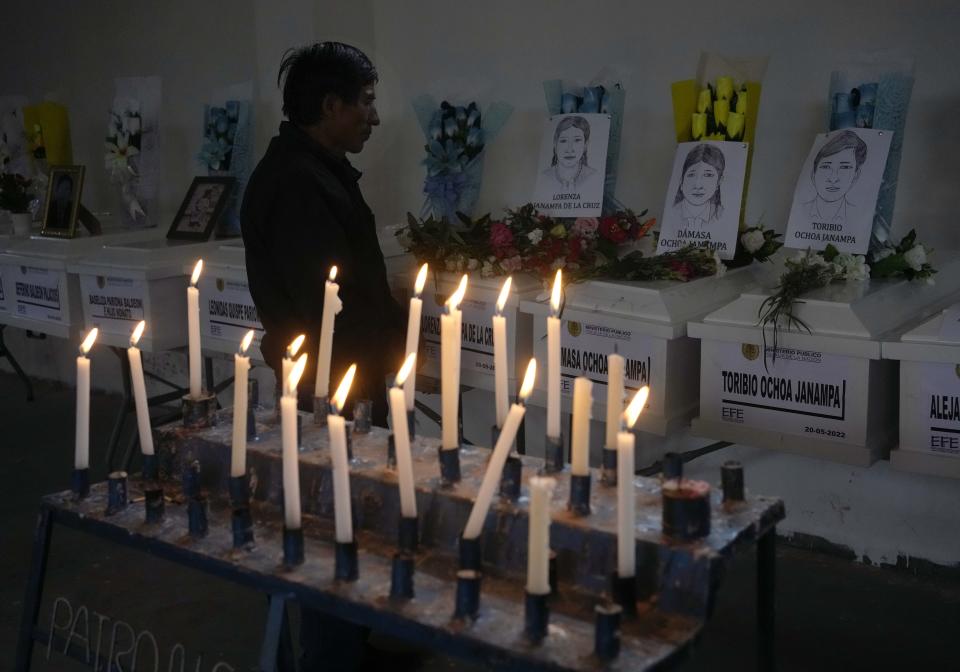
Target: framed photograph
{"type": "Point", "coordinates": [572, 165]}
{"type": "Point", "coordinates": [63, 201]}
{"type": "Point", "coordinates": [202, 207]}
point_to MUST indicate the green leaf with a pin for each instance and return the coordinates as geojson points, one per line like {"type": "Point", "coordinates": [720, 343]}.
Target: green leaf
{"type": "Point", "coordinates": [889, 267]}
{"type": "Point", "coordinates": [830, 253]}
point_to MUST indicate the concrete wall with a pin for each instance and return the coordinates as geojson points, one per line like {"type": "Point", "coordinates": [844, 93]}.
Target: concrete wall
{"type": "Point", "coordinates": [502, 50]}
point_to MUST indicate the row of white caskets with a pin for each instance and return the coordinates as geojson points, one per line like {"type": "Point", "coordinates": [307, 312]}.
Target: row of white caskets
{"type": "Point", "coordinates": [831, 393]}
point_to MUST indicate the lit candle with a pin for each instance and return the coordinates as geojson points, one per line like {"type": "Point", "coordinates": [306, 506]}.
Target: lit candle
{"type": "Point", "coordinates": [500, 355]}
{"type": "Point", "coordinates": [580, 431]}
{"type": "Point", "coordinates": [401, 437]}
{"type": "Point", "coordinates": [615, 390]}
{"type": "Point", "coordinates": [288, 435]}
{"type": "Point", "coordinates": [413, 334]}
{"type": "Point", "coordinates": [538, 540]}
{"type": "Point", "coordinates": [287, 362]}
{"type": "Point", "coordinates": [140, 390]}
{"type": "Point", "coordinates": [193, 329]}
{"type": "Point", "coordinates": [626, 499]}
{"type": "Point", "coordinates": [331, 306]}
{"type": "Point", "coordinates": [499, 457]}
{"type": "Point", "coordinates": [553, 362]}
{"type": "Point", "coordinates": [241, 370]}
{"type": "Point", "coordinates": [337, 427]}
{"type": "Point", "coordinates": [450, 329]}
{"type": "Point", "coordinates": [81, 454]}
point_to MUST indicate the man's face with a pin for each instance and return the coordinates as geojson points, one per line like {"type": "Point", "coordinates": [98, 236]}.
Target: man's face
{"type": "Point", "coordinates": [351, 125]}
{"type": "Point", "coordinates": [835, 174]}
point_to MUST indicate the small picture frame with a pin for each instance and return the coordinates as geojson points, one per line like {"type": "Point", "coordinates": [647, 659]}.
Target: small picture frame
{"type": "Point", "coordinates": [63, 201]}
{"type": "Point", "coordinates": [201, 208]}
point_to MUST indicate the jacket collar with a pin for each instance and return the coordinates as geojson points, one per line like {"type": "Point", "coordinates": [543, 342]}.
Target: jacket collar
{"type": "Point", "coordinates": [293, 136]}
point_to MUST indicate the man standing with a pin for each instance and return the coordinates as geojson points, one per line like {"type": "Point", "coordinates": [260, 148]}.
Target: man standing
{"type": "Point", "coordinates": [303, 213]}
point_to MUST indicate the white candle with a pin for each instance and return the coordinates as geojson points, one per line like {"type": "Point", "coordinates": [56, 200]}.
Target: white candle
{"type": "Point", "coordinates": [241, 369]}
{"type": "Point", "coordinates": [500, 355]}
{"type": "Point", "coordinates": [413, 334]}
{"type": "Point", "coordinates": [538, 540]}
{"type": "Point", "coordinates": [553, 362]}
{"type": "Point", "coordinates": [401, 438]}
{"type": "Point", "coordinates": [193, 330]}
{"type": "Point", "coordinates": [81, 453]}
{"type": "Point", "coordinates": [626, 499]}
{"type": "Point", "coordinates": [140, 391]}
{"type": "Point", "coordinates": [287, 363]}
{"type": "Point", "coordinates": [450, 337]}
{"type": "Point", "coordinates": [499, 457]}
{"type": "Point", "coordinates": [337, 426]}
{"type": "Point", "coordinates": [615, 390]}
{"type": "Point", "coordinates": [331, 306]}
{"type": "Point", "coordinates": [580, 431]}
{"type": "Point", "coordinates": [288, 435]}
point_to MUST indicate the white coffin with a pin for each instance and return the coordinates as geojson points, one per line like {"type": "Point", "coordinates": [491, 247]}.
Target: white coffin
{"type": "Point", "coordinates": [929, 378]}
{"type": "Point", "coordinates": [479, 306]}
{"type": "Point", "coordinates": [6, 289]}
{"type": "Point", "coordinates": [644, 322]}
{"type": "Point", "coordinates": [39, 292]}
{"type": "Point", "coordinates": [227, 311]}
{"type": "Point", "coordinates": [126, 281]}
{"type": "Point", "coordinates": [829, 394]}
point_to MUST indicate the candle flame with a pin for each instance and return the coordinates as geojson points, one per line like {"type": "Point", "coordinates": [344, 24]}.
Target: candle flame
{"type": "Point", "coordinates": [636, 406]}
{"type": "Point", "coordinates": [295, 373]}
{"type": "Point", "coordinates": [245, 343]}
{"type": "Point", "coordinates": [340, 398]}
{"type": "Point", "coordinates": [405, 370]}
{"type": "Point", "coordinates": [88, 341]}
{"type": "Point", "coordinates": [504, 294]}
{"type": "Point", "coordinates": [333, 273]}
{"type": "Point", "coordinates": [294, 346]}
{"type": "Point", "coordinates": [196, 273]}
{"type": "Point", "coordinates": [138, 332]}
{"type": "Point", "coordinates": [421, 280]}
{"type": "Point", "coordinates": [555, 294]}
{"type": "Point", "coordinates": [454, 301]}
{"type": "Point", "coordinates": [527, 387]}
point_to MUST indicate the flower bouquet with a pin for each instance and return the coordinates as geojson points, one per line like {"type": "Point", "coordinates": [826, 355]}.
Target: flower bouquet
{"type": "Point", "coordinates": [131, 157]}
{"type": "Point", "coordinates": [809, 270]}
{"type": "Point", "coordinates": [226, 150]}
{"type": "Point", "coordinates": [875, 93]}
{"type": "Point", "coordinates": [756, 243]}
{"type": "Point", "coordinates": [456, 137]}
{"type": "Point", "coordinates": [525, 240]}
{"type": "Point", "coordinates": [721, 103]}
{"type": "Point", "coordinates": [48, 131]}
{"type": "Point", "coordinates": [605, 96]}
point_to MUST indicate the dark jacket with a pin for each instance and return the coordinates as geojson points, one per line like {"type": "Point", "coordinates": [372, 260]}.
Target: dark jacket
{"type": "Point", "coordinates": [303, 213]}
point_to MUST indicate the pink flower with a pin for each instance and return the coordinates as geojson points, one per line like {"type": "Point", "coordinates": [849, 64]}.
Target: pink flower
{"type": "Point", "coordinates": [512, 264]}
{"type": "Point", "coordinates": [500, 235]}
{"type": "Point", "coordinates": [585, 227]}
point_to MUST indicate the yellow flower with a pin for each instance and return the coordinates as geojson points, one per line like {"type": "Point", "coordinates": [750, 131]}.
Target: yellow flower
{"type": "Point", "coordinates": [724, 88]}
{"type": "Point", "coordinates": [735, 126]}
{"type": "Point", "coordinates": [720, 111]}
{"type": "Point", "coordinates": [698, 126]}
{"type": "Point", "coordinates": [716, 136]}
{"type": "Point", "coordinates": [703, 101]}
{"type": "Point", "coordinates": [742, 102]}
{"type": "Point", "coordinates": [559, 231]}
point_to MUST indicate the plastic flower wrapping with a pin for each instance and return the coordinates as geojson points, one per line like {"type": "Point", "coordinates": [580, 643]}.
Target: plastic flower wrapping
{"type": "Point", "coordinates": [131, 152]}
{"type": "Point", "coordinates": [456, 136]}
{"type": "Point", "coordinates": [227, 147]}
{"type": "Point", "coordinates": [603, 95]}
{"type": "Point", "coordinates": [875, 93]}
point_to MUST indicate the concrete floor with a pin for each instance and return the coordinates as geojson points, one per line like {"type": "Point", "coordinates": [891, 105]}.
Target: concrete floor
{"type": "Point", "coordinates": [832, 614]}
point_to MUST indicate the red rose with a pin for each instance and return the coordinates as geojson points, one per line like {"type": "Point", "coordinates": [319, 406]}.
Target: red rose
{"type": "Point", "coordinates": [610, 229]}
{"type": "Point", "coordinates": [500, 235]}
{"type": "Point", "coordinates": [575, 249]}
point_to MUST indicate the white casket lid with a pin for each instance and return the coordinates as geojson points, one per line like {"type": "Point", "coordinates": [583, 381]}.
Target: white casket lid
{"type": "Point", "coordinates": [844, 318]}
{"type": "Point", "coordinates": [126, 259]}
{"type": "Point", "coordinates": [229, 256]}
{"type": "Point", "coordinates": [923, 343]}
{"type": "Point", "coordinates": [668, 305]}
{"type": "Point", "coordinates": [54, 253]}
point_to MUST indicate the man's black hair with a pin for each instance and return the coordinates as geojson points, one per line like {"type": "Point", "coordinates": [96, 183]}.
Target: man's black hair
{"type": "Point", "coordinates": [311, 73]}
